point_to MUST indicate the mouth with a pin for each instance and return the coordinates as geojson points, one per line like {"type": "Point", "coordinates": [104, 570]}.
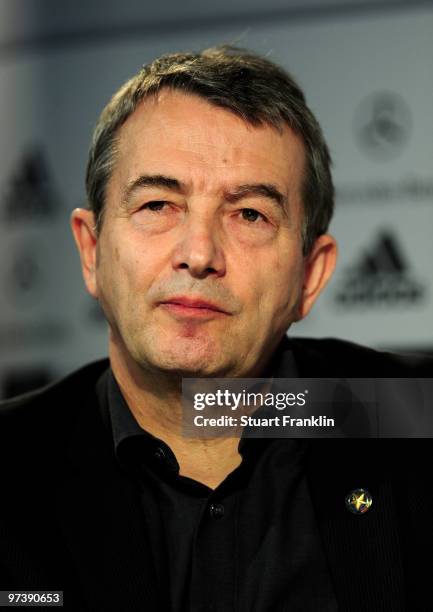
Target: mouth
{"type": "Point", "coordinates": [192, 308]}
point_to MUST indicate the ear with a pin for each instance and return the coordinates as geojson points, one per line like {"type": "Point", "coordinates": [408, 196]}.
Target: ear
{"type": "Point", "coordinates": [318, 268]}
{"type": "Point", "coordinates": [83, 229]}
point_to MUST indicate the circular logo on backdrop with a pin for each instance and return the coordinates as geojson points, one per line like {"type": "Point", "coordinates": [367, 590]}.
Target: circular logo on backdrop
{"type": "Point", "coordinates": [382, 125]}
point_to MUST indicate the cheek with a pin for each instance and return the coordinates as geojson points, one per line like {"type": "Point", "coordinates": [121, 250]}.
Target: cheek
{"type": "Point", "coordinates": [271, 278]}
{"type": "Point", "coordinates": [127, 275]}
{"type": "Point", "coordinates": [113, 270]}
{"type": "Point", "coordinates": [281, 286]}
{"type": "Point", "coordinates": [119, 260]}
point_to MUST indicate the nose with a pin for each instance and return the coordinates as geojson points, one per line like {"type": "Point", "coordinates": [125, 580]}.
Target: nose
{"type": "Point", "coordinates": [199, 249]}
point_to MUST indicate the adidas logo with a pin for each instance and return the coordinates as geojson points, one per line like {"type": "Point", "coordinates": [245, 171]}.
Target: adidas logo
{"type": "Point", "coordinates": [30, 194]}
{"type": "Point", "coordinates": [380, 278]}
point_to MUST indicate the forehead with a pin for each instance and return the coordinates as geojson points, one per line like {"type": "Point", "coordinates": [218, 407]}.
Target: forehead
{"type": "Point", "coordinates": [175, 133]}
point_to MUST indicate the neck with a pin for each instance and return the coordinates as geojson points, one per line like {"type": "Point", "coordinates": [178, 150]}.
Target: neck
{"type": "Point", "coordinates": [155, 400]}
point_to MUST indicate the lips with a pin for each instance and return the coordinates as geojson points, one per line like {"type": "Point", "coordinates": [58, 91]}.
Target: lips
{"type": "Point", "coordinates": [193, 303]}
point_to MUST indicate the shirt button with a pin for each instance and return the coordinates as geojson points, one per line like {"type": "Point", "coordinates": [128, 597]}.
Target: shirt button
{"type": "Point", "coordinates": [159, 454]}
{"type": "Point", "coordinates": [216, 511]}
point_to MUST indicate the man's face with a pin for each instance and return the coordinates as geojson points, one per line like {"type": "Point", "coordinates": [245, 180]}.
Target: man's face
{"type": "Point", "coordinates": [199, 264]}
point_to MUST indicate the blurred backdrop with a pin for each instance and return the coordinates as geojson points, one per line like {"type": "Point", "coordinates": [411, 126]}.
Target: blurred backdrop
{"type": "Point", "coordinates": [367, 71]}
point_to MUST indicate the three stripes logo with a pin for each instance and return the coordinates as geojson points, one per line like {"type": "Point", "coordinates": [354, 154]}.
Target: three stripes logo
{"type": "Point", "coordinates": [30, 194]}
{"type": "Point", "coordinates": [381, 277]}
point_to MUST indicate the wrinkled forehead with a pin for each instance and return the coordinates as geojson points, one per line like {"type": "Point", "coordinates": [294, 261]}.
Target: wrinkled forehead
{"type": "Point", "coordinates": [173, 132]}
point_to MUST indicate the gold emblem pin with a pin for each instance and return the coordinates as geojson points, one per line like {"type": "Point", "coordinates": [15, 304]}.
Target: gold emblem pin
{"type": "Point", "coordinates": [358, 501]}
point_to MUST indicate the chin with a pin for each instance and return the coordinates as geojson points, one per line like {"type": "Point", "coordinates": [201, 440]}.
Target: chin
{"type": "Point", "coordinates": [188, 366]}
{"type": "Point", "coordinates": [188, 357]}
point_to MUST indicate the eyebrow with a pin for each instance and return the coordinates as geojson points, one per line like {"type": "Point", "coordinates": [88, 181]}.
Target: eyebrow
{"type": "Point", "coordinates": [151, 180]}
{"type": "Point", "coordinates": [267, 190]}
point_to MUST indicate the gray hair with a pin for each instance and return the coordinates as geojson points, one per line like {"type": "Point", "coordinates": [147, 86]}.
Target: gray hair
{"type": "Point", "coordinates": [250, 86]}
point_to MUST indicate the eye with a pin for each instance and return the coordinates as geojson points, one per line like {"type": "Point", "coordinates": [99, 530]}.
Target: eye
{"type": "Point", "coordinates": [154, 206]}
{"type": "Point", "coordinates": [251, 215]}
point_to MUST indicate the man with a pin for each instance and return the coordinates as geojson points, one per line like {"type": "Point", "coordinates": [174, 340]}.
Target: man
{"type": "Point", "coordinates": [210, 195]}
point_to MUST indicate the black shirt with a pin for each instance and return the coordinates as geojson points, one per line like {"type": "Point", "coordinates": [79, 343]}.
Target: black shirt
{"type": "Point", "coordinates": [250, 545]}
